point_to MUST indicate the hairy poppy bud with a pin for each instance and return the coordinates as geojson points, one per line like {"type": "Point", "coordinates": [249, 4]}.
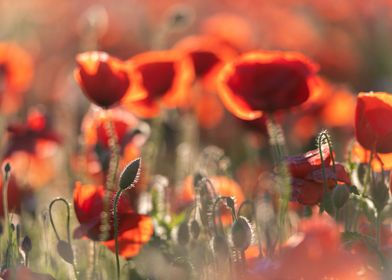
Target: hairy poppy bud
{"type": "Point", "coordinates": [26, 244]}
{"type": "Point", "coordinates": [219, 245]}
{"type": "Point", "coordinates": [379, 194]}
{"type": "Point", "coordinates": [241, 234]}
{"type": "Point", "coordinates": [7, 167]}
{"type": "Point", "coordinates": [183, 234]}
{"type": "Point", "coordinates": [130, 174]}
{"type": "Point", "coordinates": [195, 229]}
{"type": "Point", "coordinates": [340, 196]}
{"type": "Point", "coordinates": [64, 249]}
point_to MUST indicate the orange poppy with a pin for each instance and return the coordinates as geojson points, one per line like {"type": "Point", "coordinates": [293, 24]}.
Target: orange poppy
{"type": "Point", "coordinates": [134, 229]}
{"type": "Point", "coordinates": [315, 252]}
{"type": "Point", "coordinates": [372, 128]}
{"type": "Point", "coordinates": [16, 74]}
{"type": "Point", "coordinates": [14, 196]}
{"type": "Point", "coordinates": [307, 176]}
{"type": "Point", "coordinates": [207, 55]}
{"type": "Point", "coordinates": [131, 134]}
{"type": "Point", "coordinates": [31, 148]}
{"type": "Point", "coordinates": [379, 163]}
{"type": "Point", "coordinates": [104, 79]}
{"type": "Point", "coordinates": [164, 80]}
{"type": "Point", "coordinates": [265, 81]}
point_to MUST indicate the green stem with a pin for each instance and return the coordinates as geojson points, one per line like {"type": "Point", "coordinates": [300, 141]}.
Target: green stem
{"type": "Point", "coordinates": [368, 174]}
{"type": "Point", "coordinates": [378, 229]}
{"type": "Point", "coordinates": [116, 199]}
{"type": "Point", "coordinates": [110, 175]}
{"type": "Point", "coordinates": [5, 205]}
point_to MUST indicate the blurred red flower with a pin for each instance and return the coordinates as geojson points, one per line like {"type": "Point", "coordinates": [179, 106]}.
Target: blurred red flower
{"type": "Point", "coordinates": [315, 252]}
{"type": "Point", "coordinates": [164, 77]}
{"type": "Point", "coordinates": [307, 175]}
{"type": "Point", "coordinates": [265, 81]}
{"type": "Point", "coordinates": [134, 229]}
{"type": "Point", "coordinates": [30, 149]}
{"type": "Point", "coordinates": [372, 128]}
{"type": "Point", "coordinates": [14, 196]}
{"type": "Point", "coordinates": [131, 134]}
{"type": "Point", "coordinates": [104, 79]}
{"type": "Point", "coordinates": [16, 74]}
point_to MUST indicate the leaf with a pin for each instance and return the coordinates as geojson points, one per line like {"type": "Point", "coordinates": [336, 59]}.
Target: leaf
{"type": "Point", "coordinates": [130, 174]}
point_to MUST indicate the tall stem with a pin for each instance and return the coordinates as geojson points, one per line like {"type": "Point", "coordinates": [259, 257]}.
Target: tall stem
{"type": "Point", "coordinates": [278, 146]}
{"type": "Point", "coordinates": [118, 194]}
{"type": "Point", "coordinates": [110, 175]}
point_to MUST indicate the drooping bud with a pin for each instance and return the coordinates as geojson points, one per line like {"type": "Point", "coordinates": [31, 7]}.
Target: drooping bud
{"type": "Point", "coordinates": [241, 234]}
{"type": "Point", "coordinates": [220, 246]}
{"type": "Point", "coordinates": [195, 229]}
{"type": "Point", "coordinates": [64, 249]}
{"type": "Point", "coordinates": [26, 244]}
{"type": "Point", "coordinates": [340, 195]}
{"type": "Point", "coordinates": [379, 194]}
{"type": "Point", "coordinates": [130, 174]}
{"type": "Point", "coordinates": [183, 235]}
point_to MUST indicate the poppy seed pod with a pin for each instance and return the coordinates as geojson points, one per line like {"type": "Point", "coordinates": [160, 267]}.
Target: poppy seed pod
{"type": "Point", "coordinates": [183, 235]}
{"type": "Point", "coordinates": [340, 196]}
{"type": "Point", "coordinates": [220, 246]}
{"type": "Point", "coordinates": [241, 234]}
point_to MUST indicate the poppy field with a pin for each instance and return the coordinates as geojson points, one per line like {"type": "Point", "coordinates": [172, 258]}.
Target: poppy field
{"type": "Point", "coordinates": [203, 140]}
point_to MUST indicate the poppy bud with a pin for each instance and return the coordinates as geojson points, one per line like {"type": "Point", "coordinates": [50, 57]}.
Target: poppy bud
{"type": "Point", "coordinates": [340, 196]}
{"type": "Point", "coordinates": [195, 229]}
{"type": "Point", "coordinates": [7, 167]}
{"type": "Point", "coordinates": [183, 234]}
{"type": "Point", "coordinates": [219, 245]}
{"type": "Point", "coordinates": [26, 244]}
{"type": "Point", "coordinates": [64, 249]}
{"type": "Point", "coordinates": [241, 234]}
{"type": "Point", "coordinates": [130, 174]}
{"type": "Point", "coordinates": [379, 194]}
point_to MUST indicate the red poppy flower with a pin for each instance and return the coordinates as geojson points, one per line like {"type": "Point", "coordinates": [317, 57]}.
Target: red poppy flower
{"type": "Point", "coordinates": [14, 196]}
{"type": "Point", "coordinates": [265, 81]}
{"type": "Point", "coordinates": [206, 53]}
{"type": "Point", "coordinates": [16, 73]}
{"type": "Point", "coordinates": [104, 79]}
{"type": "Point", "coordinates": [134, 229]}
{"type": "Point", "coordinates": [131, 134]}
{"type": "Point", "coordinates": [164, 79]}
{"type": "Point", "coordinates": [308, 180]}
{"type": "Point", "coordinates": [30, 150]}
{"type": "Point", "coordinates": [315, 252]}
{"type": "Point", "coordinates": [372, 128]}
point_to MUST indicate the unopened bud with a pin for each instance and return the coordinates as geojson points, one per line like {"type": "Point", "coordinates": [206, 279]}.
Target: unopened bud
{"type": "Point", "coordinates": [183, 234]}
{"type": "Point", "coordinates": [26, 244]}
{"type": "Point", "coordinates": [195, 229]}
{"type": "Point", "coordinates": [130, 174]}
{"type": "Point", "coordinates": [64, 249]}
{"type": "Point", "coordinates": [380, 195]}
{"type": "Point", "coordinates": [340, 196]}
{"type": "Point", "coordinates": [241, 234]}
{"type": "Point", "coordinates": [220, 246]}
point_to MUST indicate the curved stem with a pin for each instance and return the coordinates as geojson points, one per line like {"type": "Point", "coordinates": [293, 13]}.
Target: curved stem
{"type": "Point", "coordinates": [116, 199]}
{"type": "Point", "coordinates": [57, 199]}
